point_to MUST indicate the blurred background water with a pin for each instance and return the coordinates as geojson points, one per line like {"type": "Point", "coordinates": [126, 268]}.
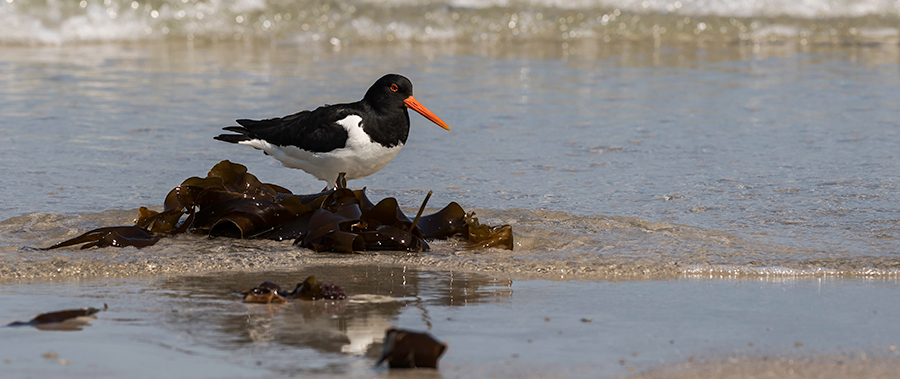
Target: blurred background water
{"type": "Point", "coordinates": [755, 140]}
{"type": "Point", "coordinates": [753, 135]}
{"type": "Point", "coordinates": [366, 21]}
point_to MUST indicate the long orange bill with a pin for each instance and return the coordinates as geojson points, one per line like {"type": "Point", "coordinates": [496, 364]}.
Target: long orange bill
{"type": "Point", "coordinates": [413, 104]}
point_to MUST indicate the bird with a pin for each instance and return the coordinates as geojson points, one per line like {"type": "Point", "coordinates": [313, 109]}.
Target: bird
{"type": "Point", "coordinates": [357, 139]}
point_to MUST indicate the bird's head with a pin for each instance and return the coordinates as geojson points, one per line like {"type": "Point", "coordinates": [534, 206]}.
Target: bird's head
{"type": "Point", "coordinates": [394, 90]}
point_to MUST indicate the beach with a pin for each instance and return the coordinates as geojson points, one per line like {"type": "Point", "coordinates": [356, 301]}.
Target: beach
{"type": "Point", "coordinates": [183, 325]}
{"type": "Point", "coordinates": [686, 200]}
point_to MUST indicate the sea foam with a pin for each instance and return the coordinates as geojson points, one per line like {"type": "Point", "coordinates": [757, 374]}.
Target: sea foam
{"type": "Point", "coordinates": [342, 22]}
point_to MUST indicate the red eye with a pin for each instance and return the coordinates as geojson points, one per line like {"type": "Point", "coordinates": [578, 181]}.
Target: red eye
{"type": "Point", "coordinates": [394, 87]}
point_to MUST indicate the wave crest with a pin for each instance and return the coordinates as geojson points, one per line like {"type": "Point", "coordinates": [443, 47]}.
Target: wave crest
{"type": "Point", "coordinates": [343, 22]}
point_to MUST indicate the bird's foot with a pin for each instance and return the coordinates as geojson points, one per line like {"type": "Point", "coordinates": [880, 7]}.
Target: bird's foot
{"type": "Point", "coordinates": [340, 182]}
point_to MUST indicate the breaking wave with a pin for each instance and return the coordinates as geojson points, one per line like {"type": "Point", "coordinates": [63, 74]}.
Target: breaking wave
{"type": "Point", "coordinates": [364, 21]}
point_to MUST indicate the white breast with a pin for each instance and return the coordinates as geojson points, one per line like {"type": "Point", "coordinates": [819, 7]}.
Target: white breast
{"type": "Point", "coordinates": [359, 158]}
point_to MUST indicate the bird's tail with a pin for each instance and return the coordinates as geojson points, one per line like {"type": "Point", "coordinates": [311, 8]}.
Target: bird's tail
{"type": "Point", "coordinates": [234, 138]}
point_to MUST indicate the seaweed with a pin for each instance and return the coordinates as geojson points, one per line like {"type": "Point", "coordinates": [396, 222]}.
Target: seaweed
{"type": "Point", "coordinates": [309, 289]}
{"type": "Point", "coordinates": [267, 292]}
{"type": "Point", "coordinates": [118, 236]}
{"type": "Point", "coordinates": [231, 202]}
{"type": "Point", "coordinates": [408, 349]}
{"type": "Point", "coordinates": [483, 236]}
{"type": "Point", "coordinates": [66, 320]}
{"type": "Point", "coordinates": [312, 289]}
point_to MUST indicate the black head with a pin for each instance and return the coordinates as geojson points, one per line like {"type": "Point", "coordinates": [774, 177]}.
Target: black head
{"type": "Point", "coordinates": [393, 93]}
{"type": "Point", "coordinates": [389, 92]}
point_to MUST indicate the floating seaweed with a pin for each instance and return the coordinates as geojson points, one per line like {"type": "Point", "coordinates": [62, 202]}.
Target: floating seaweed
{"type": "Point", "coordinates": [118, 236]}
{"type": "Point", "coordinates": [482, 236]}
{"type": "Point", "coordinates": [267, 292]}
{"type": "Point", "coordinates": [310, 289]}
{"type": "Point", "coordinates": [67, 320]}
{"type": "Point", "coordinates": [407, 349]}
{"type": "Point", "coordinates": [231, 202]}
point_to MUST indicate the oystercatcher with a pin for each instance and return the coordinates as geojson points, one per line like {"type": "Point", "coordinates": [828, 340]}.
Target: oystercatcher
{"type": "Point", "coordinates": [357, 139]}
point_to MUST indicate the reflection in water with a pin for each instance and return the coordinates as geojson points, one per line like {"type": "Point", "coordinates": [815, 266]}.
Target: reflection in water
{"type": "Point", "coordinates": [70, 325]}
{"type": "Point", "coordinates": [67, 320]}
{"type": "Point", "coordinates": [209, 309]}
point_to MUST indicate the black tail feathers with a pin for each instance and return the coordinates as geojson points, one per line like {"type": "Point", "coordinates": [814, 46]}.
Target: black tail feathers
{"type": "Point", "coordinates": [234, 138]}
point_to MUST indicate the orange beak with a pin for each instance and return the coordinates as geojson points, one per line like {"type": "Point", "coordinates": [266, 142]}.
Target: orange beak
{"type": "Point", "coordinates": [413, 104]}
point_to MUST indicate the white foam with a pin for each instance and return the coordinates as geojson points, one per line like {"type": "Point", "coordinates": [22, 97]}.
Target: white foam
{"type": "Point", "coordinates": [779, 272]}
{"type": "Point", "coordinates": [60, 22]}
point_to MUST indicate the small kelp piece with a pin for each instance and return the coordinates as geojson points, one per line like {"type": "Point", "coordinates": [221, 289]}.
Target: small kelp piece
{"type": "Point", "coordinates": [415, 221]}
{"type": "Point", "coordinates": [312, 289]}
{"type": "Point", "coordinates": [386, 212]}
{"type": "Point", "coordinates": [294, 230]}
{"type": "Point", "coordinates": [231, 178]}
{"type": "Point", "coordinates": [446, 222]}
{"type": "Point", "coordinates": [364, 202]}
{"type": "Point", "coordinates": [408, 349]}
{"type": "Point", "coordinates": [67, 320]}
{"type": "Point", "coordinates": [267, 292]}
{"type": "Point", "coordinates": [162, 222]}
{"type": "Point", "coordinates": [338, 198]}
{"type": "Point", "coordinates": [387, 237]}
{"type": "Point", "coordinates": [330, 231]}
{"type": "Point", "coordinates": [386, 227]}
{"type": "Point", "coordinates": [118, 236]}
{"type": "Point", "coordinates": [185, 195]}
{"type": "Point", "coordinates": [235, 178]}
{"type": "Point", "coordinates": [483, 236]}
{"type": "Point", "coordinates": [234, 203]}
{"type": "Point", "coordinates": [241, 217]}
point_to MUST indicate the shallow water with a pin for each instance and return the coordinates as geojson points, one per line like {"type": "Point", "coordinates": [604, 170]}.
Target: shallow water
{"type": "Point", "coordinates": [646, 151]}
{"type": "Point", "coordinates": [196, 326]}
{"type": "Point", "coordinates": [735, 158]}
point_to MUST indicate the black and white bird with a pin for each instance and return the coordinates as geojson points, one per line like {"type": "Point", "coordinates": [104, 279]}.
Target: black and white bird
{"type": "Point", "coordinates": [357, 139]}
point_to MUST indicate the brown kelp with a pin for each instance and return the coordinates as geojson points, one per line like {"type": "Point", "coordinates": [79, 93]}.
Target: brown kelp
{"type": "Point", "coordinates": [267, 292]}
{"type": "Point", "coordinates": [407, 349]}
{"type": "Point", "coordinates": [309, 289]}
{"type": "Point", "coordinates": [231, 202]}
{"type": "Point", "coordinates": [67, 320]}
{"type": "Point", "coordinates": [312, 289]}
{"type": "Point", "coordinates": [118, 236]}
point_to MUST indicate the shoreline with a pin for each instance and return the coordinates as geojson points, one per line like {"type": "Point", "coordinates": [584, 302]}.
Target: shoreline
{"type": "Point", "coordinates": [197, 255]}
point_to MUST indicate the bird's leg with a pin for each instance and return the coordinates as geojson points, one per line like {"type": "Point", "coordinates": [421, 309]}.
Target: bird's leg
{"type": "Point", "coordinates": [341, 181]}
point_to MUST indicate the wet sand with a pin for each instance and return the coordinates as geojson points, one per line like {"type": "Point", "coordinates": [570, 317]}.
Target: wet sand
{"type": "Point", "coordinates": [496, 326]}
{"type": "Point", "coordinates": [858, 365]}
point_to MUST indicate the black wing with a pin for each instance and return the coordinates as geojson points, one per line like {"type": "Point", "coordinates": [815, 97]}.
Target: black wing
{"type": "Point", "coordinates": [316, 131]}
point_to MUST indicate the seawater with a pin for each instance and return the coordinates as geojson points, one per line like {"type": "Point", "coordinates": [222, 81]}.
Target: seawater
{"type": "Point", "coordinates": [196, 326]}
{"type": "Point", "coordinates": [339, 23]}
{"type": "Point", "coordinates": [610, 157]}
